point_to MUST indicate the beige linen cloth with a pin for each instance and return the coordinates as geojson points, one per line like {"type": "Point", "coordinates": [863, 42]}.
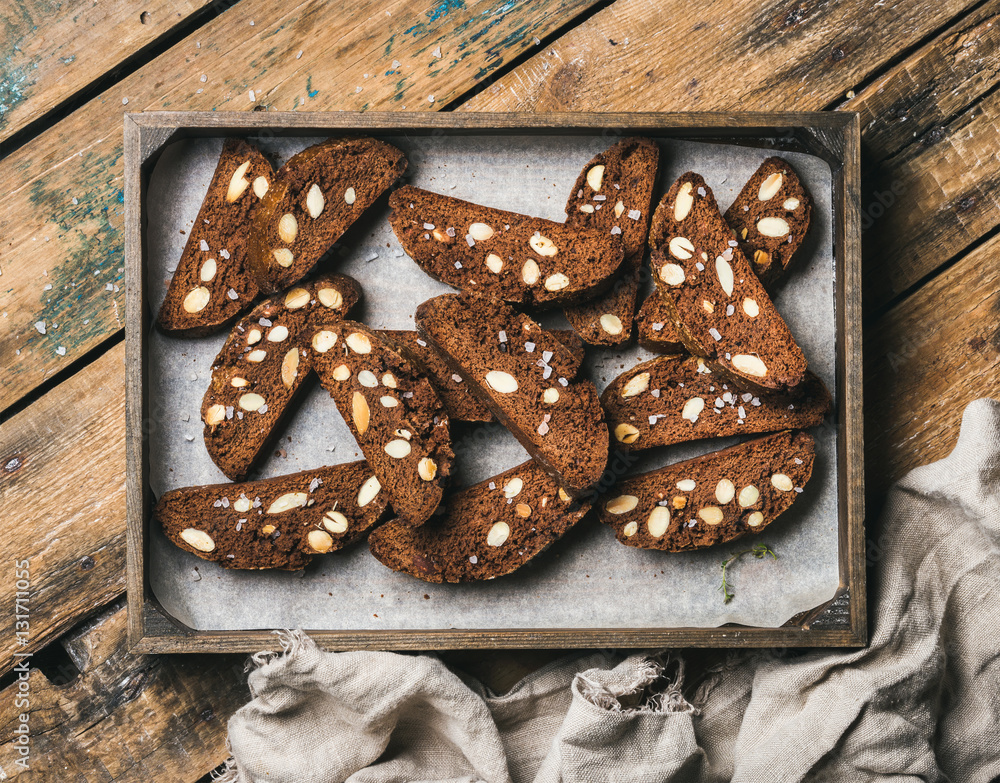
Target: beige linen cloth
{"type": "Point", "coordinates": [921, 703]}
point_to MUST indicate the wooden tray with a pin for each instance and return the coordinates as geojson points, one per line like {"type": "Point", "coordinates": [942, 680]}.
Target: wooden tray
{"type": "Point", "coordinates": [833, 137]}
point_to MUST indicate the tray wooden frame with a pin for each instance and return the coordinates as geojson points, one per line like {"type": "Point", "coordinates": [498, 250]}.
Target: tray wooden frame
{"type": "Point", "coordinates": [833, 136]}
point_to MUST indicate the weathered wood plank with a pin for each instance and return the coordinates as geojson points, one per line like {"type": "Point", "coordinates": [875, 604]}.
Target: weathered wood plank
{"type": "Point", "coordinates": [925, 360]}
{"type": "Point", "coordinates": [53, 49]}
{"type": "Point", "coordinates": [126, 717]}
{"type": "Point", "coordinates": [62, 500]}
{"type": "Point", "coordinates": [931, 200]}
{"type": "Point", "coordinates": [354, 56]}
{"type": "Point", "coordinates": [674, 56]}
{"type": "Point", "coordinates": [929, 87]}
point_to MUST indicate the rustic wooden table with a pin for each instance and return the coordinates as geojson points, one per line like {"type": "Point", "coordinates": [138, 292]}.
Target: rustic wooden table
{"type": "Point", "coordinates": [923, 76]}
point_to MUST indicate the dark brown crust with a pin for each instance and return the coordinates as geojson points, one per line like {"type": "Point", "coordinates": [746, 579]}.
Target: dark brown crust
{"type": "Point", "coordinates": [626, 186]}
{"type": "Point", "coordinates": [235, 515]}
{"type": "Point", "coordinates": [771, 257]}
{"type": "Point", "coordinates": [655, 327]}
{"type": "Point", "coordinates": [366, 165]}
{"type": "Point", "coordinates": [757, 352]}
{"type": "Point", "coordinates": [461, 404]}
{"type": "Point", "coordinates": [236, 443]}
{"type": "Point", "coordinates": [223, 226]}
{"type": "Point", "coordinates": [753, 463]}
{"type": "Point", "coordinates": [586, 259]}
{"type": "Point", "coordinates": [476, 336]}
{"type": "Point", "coordinates": [386, 413]}
{"type": "Point", "coordinates": [454, 547]}
{"type": "Point", "coordinates": [668, 389]}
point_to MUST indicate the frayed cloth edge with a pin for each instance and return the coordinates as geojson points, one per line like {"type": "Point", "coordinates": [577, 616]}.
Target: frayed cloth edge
{"type": "Point", "coordinates": [670, 699]}
{"type": "Point", "coordinates": [291, 643]}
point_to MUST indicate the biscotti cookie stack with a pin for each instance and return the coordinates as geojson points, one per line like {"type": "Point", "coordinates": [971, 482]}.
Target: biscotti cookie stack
{"type": "Point", "coordinates": [493, 353]}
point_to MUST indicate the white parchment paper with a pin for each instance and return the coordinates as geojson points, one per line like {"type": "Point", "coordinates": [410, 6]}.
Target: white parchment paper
{"type": "Point", "coordinates": [587, 580]}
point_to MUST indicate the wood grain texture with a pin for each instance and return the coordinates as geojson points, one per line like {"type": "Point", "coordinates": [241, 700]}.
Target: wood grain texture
{"type": "Point", "coordinates": [932, 200]}
{"type": "Point", "coordinates": [53, 49]}
{"type": "Point", "coordinates": [61, 222]}
{"type": "Point", "coordinates": [674, 56]}
{"type": "Point", "coordinates": [931, 86]}
{"type": "Point", "coordinates": [125, 717]}
{"type": "Point", "coordinates": [62, 496]}
{"type": "Point", "coordinates": [925, 360]}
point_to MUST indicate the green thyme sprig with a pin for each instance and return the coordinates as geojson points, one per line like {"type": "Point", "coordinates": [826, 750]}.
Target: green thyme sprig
{"type": "Point", "coordinates": [758, 550]}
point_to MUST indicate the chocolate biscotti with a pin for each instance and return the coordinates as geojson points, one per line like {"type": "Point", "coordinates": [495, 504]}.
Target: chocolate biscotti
{"type": "Point", "coordinates": [525, 376]}
{"type": "Point", "coordinates": [721, 310]}
{"type": "Point", "coordinates": [614, 193]}
{"type": "Point", "coordinates": [485, 531]}
{"type": "Point", "coordinates": [519, 259]}
{"type": "Point", "coordinates": [213, 282]}
{"type": "Point", "coordinates": [711, 499]}
{"type": "Point", "coordinates": [655, 327]}
{"type": "Point", "coordinates": [770, 217]}
{"type": "Point", "coordinates": [316, 196]}
{"type": "Point", "coordinates": [461, 404]}
{"type": "Point", "coordinates": [393, 412]}
{"type": "Point", "coordinates": [260, 368]}
{"type": "Point", "coordinates": [672, 399]}
{"type": "Point", "coordinates": [275, 523]}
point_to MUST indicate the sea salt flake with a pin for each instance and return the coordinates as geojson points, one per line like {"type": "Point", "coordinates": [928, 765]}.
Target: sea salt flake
{"type": "Point", "coordinates": [203, 245]}
{"type": "Point", "coordinates": [61, 350]}
{"type": "Point", "coordinates": [655, 393]}
{"type": "Point", "coordinates": [657, 327]}
{"type": "Point", "coordinates": [458, 265]}
{"type": "Point", "coordinates": [546, 356]}
{"type": "Point", "coordinates": [233, 295]}
{"type": "Point", "coordinates": [456, 378]}
{"type": "Point", "coordinates": [635, 214]}
{"type": "Point", "coordinates": [615, 230]}
{"type": "Point", "coordinates": [40, 326]}
{"type": "Point", "coordinates": [715, 334]}
{"type": "Point", "coordinates": [503, 336]}
{"type": "Point", "coordinates": [473, 560]}
{"type": "Point", "coordinates": [699, 266]}
{"type": "Point", "coordinates": [469, 240]}
{"type": "Point", "coordinates": [563, 382]}
{"type": "Point", "coordinates": [742, 412]}
{"type": "Point", "coordinates": [224, 253]}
